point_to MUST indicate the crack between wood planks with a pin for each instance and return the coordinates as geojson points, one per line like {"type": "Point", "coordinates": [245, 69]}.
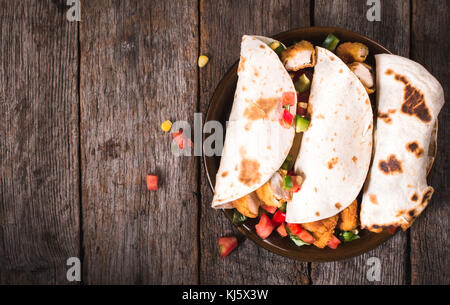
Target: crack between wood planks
{"type": "Point", "coordinates": [199, 160]}
{"type": "Point", "coordinates": [80, 206]}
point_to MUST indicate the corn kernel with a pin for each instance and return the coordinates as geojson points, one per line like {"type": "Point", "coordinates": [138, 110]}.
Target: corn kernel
{"type": "Point", "coordinates": [166, 126]}
{"type": "Point", "coordinates": [202, 60]}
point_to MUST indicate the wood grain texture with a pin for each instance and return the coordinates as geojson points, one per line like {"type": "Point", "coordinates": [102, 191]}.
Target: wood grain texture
{"type": "Point", "coordinates": [222, 25]}
{"type": "Point", "coordinates": [393, 32]}
{"type": "Point", "coordinates": [138, 68]}
{"type": "Point", "coordinates": [39, 199]}
{"type": "Point", "coordinates": [429, 234]}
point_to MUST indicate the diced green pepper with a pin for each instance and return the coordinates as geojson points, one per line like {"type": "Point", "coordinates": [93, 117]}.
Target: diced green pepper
{"type": "Point", "coordinates": [303, 84]}
{"type": "Point", "coordinates": [301, 124]}
{"type": "Point", "coordinates": [287, 183]}
{"type": "Point", "coordinates": [238, 217]}
{"type": "Point", "coordinates": [348, 236]}
{"type": "Point", "coordinates": [277, 47]}
{"type": "Point", "coordinates": [330, 42]}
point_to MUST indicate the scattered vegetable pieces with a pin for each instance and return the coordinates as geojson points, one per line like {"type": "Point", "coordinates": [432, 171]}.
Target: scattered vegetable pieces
{"type": "Point", "coordinates": [334, 242]}
{"type": "Point", "coordinates": [166, 126]}
{"type": "Point", "coordinates": [277, 47]}
{"type": "Point", "coordinates": [348, 236]}
{"type": "Point", "coordinates": [268, 208]}
{"type": "Point", "coordinates": [294, 228]}
{"type": "Point", "coordinates": [238, 218]}
{"type": "Point", "coordinates": [202, 60]}
{"type": "Point", "coordinates": [282, 230]}
{"type": "Point", "coordinates": [330, 42]}
{"type": "Point", "coordinates": [181, 140]}
{"type": "Point", "coordinates": [278, 218]}
{"type": "Point", "coordinates": [288, 98]}
{"type": "Point", "coordinates": [288, 117]}
{"type": "Point", "coordinates": [301, 124]}
{"type": "Point", "coordinates": [152, 182]}
{"type": "Point", "coordinates": [265, 227]}
{"type": "Point", "coordinates": [287, 183]}
{"type": "Point", "coordinates": [303, 83]}
{"type": "Point", "coordinates": [226, 245]}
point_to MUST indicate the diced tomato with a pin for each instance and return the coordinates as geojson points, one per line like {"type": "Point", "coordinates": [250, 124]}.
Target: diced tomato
{"type": "Point", "coordinates": [392, 230]}
{"type": "Point", "coordinates": [265, 227]}
{"type": "Point", "coordinates": [288, 98]}
{"type": "Point", "coordinates": [295, 228]}
{"type": "Point", "coordinates": [306, 237]}
{"type": "Point", "coordinates": [268, 208]}
{"type": "Point", "coordinates": [333, 242]}
{"type": "Point", "coordinates": [181, 140]}
{"type": "Point", "coordinates": [282, 230]}
{"type": "Point", "coordinates": [288, 117]}
{"type": "Point", "coordinates": [226, 245]}
{"type": "Point", "coordinates": [295, 184]}
{"type": "Point", "coordinates": [278, 218]}
{"type": "Point", "coordinates": [152, 182]}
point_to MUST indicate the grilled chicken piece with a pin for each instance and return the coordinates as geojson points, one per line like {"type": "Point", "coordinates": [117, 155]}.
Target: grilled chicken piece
{"type": "Point", "coordinates": [322, 230]}
{"type": "Point", "coordinates": [272, 192]}
{"type": "Point", "coordinates": [348, 218]}
{"type": "Point", "coordinates": [248, 205]}
{"type": "Point", "coordinates": [352, 51]}
{"type": "Point", "coordinates": [299, 56]}
{"type": "Point", "coordinates": [365, 74]}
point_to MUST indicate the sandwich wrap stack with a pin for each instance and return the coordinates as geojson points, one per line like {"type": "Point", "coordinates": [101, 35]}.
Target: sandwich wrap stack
{"type": "Point", "coordinates": [409, 100]}
{"type": "Point", "coordinates": [256, 143]}
{"type": "Point", "coordinates": [335, 152]}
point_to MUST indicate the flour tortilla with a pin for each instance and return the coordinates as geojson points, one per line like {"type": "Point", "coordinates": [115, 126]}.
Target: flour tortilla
{"type": "Point", "coordinates": [409, 100]}
{"type": "Point", "coordinates": [256, 144]}
{"type": "Point", "coordinates": [335, 152]}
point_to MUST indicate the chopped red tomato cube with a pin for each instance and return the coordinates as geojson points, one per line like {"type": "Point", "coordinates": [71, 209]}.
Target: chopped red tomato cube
{"type": "Point", "coordinates": [288, 117]}
{"type": "Point", "coordinates": [282, 230]}
{"type": "Point", "coordinates": [333, 242]}
{"type": "Point", "coordinates": [265, 227]}
{"type": "Point", "coordinates": [226, 245]}
{"type": "Point", "coordinates": [181, 140]}
{"type": "Point", "coordinates": [295, 228]}
{"type": "Point", "coordinates": [269, 208]}
{"type": "Point", "coordinates": [152, 182]}
{"type": "Point", "coordinates": [288, 98]}
{"type": "Point", "coordinates": [278, 218]}
{"type": "Point", "coordinates": [306, 237]}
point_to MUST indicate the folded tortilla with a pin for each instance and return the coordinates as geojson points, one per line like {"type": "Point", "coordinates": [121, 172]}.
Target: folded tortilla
{"type": "Point", "coordinates": [335, 152]}
{"type": "Point", "coordinates": [256, 144]}
{"type": "Point", "coordinates": [409, 100]}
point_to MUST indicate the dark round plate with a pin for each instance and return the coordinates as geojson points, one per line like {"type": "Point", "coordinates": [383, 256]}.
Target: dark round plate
{"type": "Point", "coordinates": [219, 110]}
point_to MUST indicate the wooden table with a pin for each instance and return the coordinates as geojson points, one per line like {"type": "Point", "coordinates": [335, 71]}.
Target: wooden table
{"type": "Point", "coordinates": [81, 105]}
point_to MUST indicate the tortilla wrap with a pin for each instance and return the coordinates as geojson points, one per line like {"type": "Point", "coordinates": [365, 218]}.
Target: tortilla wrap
{"type": "Point", "coordinates": [256, 144]}
{"type": "Point", "coordinates": [409, 100]}
{"type": "Point", "coordinates": [335, 152]}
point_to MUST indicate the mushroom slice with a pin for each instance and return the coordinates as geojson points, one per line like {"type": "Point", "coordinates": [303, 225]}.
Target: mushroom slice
{"type": "Point", "coordinates": [299, 56]}
{"type": "Point", "coordinates": [365, 74]}
{"type": "Point", "coordinates": [248, 205]}
{"type": "Point", "coordinates": [352, 51]}
{"type": "Point", "coordinates": [272, 192]}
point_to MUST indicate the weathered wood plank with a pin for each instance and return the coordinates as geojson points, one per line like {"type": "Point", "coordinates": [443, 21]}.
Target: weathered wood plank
{"type": "Point", "coordinates": [39, 198]}
{"type": "Point", "coordinates": [222, 25]}
{"type": "Point", "coordinates": [393, 33]}
{"type": "Point", "coordinates": [138, 68]}
{"type": "Point", "coordinates": [429, 235]}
